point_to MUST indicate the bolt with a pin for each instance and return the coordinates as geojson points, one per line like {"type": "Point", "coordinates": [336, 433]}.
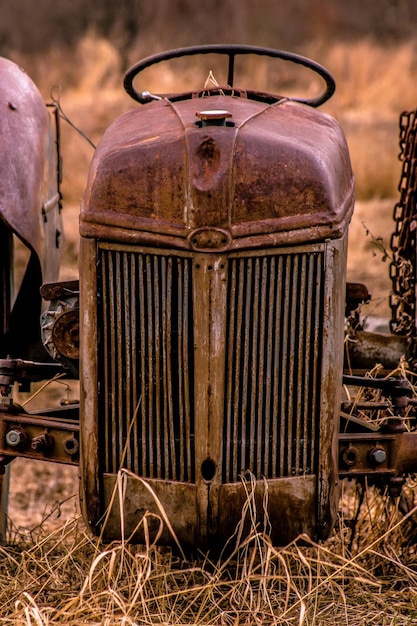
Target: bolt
{"type": "Point", "coordinates": [378, 455]}
{"type": "Point", "coordinates": [42, 443]}
{"type": "Point", "coordinates": [15, 437]}
{"type": "Point", "coordinates": [56, 292]}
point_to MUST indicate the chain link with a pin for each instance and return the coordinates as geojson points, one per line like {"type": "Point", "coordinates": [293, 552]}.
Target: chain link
{"type": "Point", "coordinates": [403, 241]}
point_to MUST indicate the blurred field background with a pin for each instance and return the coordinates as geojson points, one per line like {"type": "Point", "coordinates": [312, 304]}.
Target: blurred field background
{"type": "Point", "coordinates": [85, 47]}
{"type": "Point", "coordinates": [370, 47]}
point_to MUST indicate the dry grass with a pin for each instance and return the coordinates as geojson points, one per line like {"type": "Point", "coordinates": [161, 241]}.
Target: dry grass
{"type": "Point", "coordinates": [375, 84]}
{"type": "Point", "coordinates": [66, 577]}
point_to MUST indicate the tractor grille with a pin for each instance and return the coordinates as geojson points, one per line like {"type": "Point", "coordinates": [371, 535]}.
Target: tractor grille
{"type": "Point", "coordinates": [146, 361]}
{"type": "Point", "coordinates": [274, 321]}
{"type": "Point", "coordinates": [275, 306]}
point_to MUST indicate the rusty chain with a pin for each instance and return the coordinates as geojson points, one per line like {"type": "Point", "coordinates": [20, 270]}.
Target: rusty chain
{"type": "Point", "coordinates": [403, 241]}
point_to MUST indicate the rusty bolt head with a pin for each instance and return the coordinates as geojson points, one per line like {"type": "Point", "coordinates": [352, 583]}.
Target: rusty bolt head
{"type": "Point", "coordinates": [56, 292]}
{"type": "Point", "coordinates": [42, 443]}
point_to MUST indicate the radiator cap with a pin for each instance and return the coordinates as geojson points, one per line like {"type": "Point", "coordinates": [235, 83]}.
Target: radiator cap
{"type": "Point", "coordinates": [215, 117]}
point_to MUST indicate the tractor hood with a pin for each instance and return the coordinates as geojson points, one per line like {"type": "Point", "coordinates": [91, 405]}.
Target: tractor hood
{"type": "Point", "coordinates": [259, 173]}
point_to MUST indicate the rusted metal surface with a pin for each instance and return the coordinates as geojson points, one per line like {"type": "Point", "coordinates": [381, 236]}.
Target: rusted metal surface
{"type": "Point", "coordinates": [29, 195]}
{"type": "Point", "coordinates": [365, 350]}
{"type": "Point", "coordinates": [90, 457]}
{"type": "Point", "coordinates": [62, 289]}
{"type": "Point", "coordinates": [66, 334]}
{"type": "Point", "coordinates": [38, 437]}
{"type": "Point", "coordinates": [179, 501]}
{"type": "Point", "coordinates": [281, 174]}
{"type": "Point", "coordinates": [375, 454]}
{"type": "Point", "coordinates": [60, 322]}
{"type": "Point", "coordinates": [375, 440]}
{"type": "Point", "coordinates": [25, 372]}
{"type": "Point", "coordinates": [212, 288]}
{"type": "Point", "coordinates": [290, 501]}
{"type": "Point", "coordinates": [204, 397]}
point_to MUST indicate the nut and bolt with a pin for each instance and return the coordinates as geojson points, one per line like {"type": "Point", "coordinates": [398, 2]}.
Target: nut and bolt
{"type": "Point", "coordinates": [42, 443]}
{"type": "Point", "coordinates": [16, 437]}
{"type": "Point", "coordinates": [378, 455]}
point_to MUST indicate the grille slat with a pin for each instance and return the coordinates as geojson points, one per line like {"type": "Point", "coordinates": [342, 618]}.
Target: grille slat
{"type": "Point", "coordinates": [142, 426]}
{"type": "Point", "coordinates": [186, 321]}
{"type": "Point", "coordinates": [271, 374]}
{"type": "Point", "coordinates": [133, 459]}
{"type": "Point", "coordinates": [168, 406]}
{"type": "Point", "coordinates": [181, 367]}
{"type": "Point", "coordinates": [281, 415]}
{"type": "Point", "coordinates": [236, 426]}
{"type": "Point", "coordinates": [146, 361]}
{"type": "Point", "coordinates": [262, 375]}
{"type": "Point", "coordinates": [272, 380]}
{"type": "Point", "coordinates": [112, 355]}
{"type": "Point", "coordinates": [149, 391]}
{"type": "Point", "coordinates": [106, 352]}
{"type": "Point", "coordinates": [126, 322]}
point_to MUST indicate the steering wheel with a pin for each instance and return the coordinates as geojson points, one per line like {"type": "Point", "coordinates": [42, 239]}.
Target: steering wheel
{"type": "Point", "coordinates": [230, 50]}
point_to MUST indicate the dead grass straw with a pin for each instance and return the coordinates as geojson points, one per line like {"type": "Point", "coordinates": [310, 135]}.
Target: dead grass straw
{"type": "Point", "coordinates": [67, 577]}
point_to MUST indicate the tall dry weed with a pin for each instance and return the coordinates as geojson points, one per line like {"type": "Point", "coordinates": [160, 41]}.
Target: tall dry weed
{"type": "Point", "coordinates": [375, 84]}
{"type": "Point", "coordinates": [373, 78]}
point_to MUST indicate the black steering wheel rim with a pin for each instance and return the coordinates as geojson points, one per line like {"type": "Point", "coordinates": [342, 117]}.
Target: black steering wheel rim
{"type": "Point", "coordinates": [231, 50]}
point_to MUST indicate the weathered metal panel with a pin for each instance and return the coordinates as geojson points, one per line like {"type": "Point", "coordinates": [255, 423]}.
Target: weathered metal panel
{"type": "Point", "coordinates": [90, 418]}
{"type": "Point", "coordinates": [29, 198]}
{"type": "Point", "coordinates": [332, 336]}
{"type": "Point", "coordinates": [278, 172]}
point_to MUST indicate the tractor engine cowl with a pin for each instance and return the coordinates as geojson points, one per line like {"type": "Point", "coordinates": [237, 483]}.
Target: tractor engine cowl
{"type": "Point", "coordinates": [269, 175]}
{"type": "Point", "coordinates": [213, 261]}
